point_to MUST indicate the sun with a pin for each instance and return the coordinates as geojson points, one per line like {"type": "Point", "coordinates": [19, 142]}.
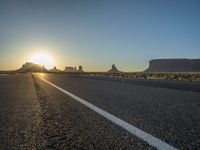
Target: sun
{"type": "Point", "coordinates": [43, 59]}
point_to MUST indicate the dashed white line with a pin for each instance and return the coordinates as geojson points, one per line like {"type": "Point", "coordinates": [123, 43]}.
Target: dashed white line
{"type": "Point", "coordinates": [150, 139]}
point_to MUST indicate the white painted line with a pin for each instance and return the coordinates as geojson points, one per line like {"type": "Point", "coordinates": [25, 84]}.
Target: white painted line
{"type": "Point", "coordinates": [153, 141]}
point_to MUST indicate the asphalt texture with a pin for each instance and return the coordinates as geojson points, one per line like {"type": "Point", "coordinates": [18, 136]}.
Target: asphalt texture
{"type": "Point", "coordinates": [35, 115]}
{"type": "Point", "coordinates": [19, 113]}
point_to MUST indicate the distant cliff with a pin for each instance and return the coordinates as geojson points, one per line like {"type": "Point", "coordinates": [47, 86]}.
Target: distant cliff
{"type": "Point", "coordinates": [174, 65]}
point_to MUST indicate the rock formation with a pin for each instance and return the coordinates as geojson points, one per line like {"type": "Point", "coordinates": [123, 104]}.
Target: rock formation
{"type": "Point", "coordinates": [113, 69]}
{"type": "Point", "coordinates": [69, 69]}
{"type": "Point", "coordinates": [80, 69]}
{"type": "Point", "coordinates": [73, 69]}
{"type": "Point", "coordinates": [54, 69]}
{"type": "Point", "coordinates": [31, 67]}
{"type": "Point", "coordinates": [174, 65]}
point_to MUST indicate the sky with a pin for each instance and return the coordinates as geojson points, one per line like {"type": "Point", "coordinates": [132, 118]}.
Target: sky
{"type": "Point", "coordinates": [98, 33]}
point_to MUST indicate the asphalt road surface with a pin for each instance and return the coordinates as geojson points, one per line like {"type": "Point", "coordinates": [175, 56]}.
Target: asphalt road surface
{"type": "Point", "coordinates": [36, 115]}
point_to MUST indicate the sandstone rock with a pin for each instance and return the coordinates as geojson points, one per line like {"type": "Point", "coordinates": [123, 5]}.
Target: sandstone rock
{"type": "Point", "coordinates": [113, 69]}
{"type": "Point", "coordinates": [174, 65]}
{"type": "Point", "coordinates": [31, 67]}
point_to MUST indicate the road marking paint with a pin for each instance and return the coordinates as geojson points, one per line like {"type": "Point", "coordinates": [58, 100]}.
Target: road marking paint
{"type": "Point", "coordinates": [155, 142]}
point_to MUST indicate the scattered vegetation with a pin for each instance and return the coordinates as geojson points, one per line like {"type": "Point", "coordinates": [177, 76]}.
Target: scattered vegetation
{"type": "Point", "coordinates": [132, 75]}
{"type": "Point", "coordinates": [155, 76]}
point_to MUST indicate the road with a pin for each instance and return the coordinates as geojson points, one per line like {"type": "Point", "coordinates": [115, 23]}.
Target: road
{"type": "Point", "coordinates": [36, 115]}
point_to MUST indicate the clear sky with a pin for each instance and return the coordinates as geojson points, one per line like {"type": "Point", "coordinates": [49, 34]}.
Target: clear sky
{"type": "Point", "coordinates": [98, 33]}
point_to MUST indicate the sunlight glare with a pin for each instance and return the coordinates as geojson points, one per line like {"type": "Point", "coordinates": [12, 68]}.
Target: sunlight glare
{"type": "Point", "coordinates": [43, 59]}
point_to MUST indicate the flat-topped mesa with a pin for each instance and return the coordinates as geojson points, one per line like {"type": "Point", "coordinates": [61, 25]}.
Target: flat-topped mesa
{"type": "Point", "coordinates": [73, 69]}
{"type": "Point", "coordinates": [174, 65]}
{"type": "Point", "coordinates": [70, 69]}
{"type": "Point", "coordinates": [31, 67]}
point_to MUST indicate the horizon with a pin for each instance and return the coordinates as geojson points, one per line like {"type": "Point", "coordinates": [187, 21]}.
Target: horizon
{"type": "Point", "coordinates": [97, 34]}
{"type": "Point", "coordinates": [62, 69]}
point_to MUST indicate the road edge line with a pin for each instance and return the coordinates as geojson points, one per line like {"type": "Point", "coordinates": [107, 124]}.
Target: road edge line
{"type": "Point", "coordinates": [150, 139]}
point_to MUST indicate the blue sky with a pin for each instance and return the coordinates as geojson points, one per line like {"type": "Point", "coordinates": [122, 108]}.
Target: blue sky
{"type": "Point", "coordinates": [99, 33]}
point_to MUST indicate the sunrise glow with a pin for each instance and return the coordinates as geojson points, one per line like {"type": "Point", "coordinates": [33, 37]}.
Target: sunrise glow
{"type": "Point", "coordinates": [43, 59]}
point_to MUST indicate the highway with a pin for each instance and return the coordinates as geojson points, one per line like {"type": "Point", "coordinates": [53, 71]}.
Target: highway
{"type": "Point", "coordinates": [58, 111]}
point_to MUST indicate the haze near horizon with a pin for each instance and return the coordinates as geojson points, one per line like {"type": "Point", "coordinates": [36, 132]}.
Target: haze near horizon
{"type": "Point", "coordinates": [97, 34]}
